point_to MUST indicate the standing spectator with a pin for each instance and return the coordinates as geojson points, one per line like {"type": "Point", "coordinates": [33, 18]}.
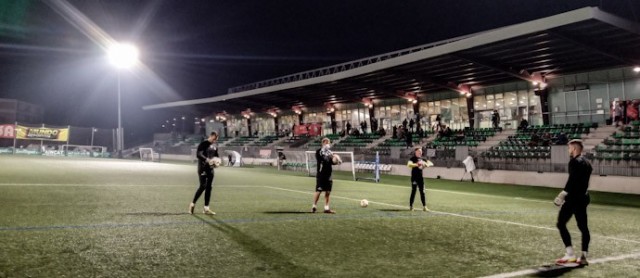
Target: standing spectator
{"type": "Point", "coordinates": [408, 138]}
{"type": "Point", "coordinates": [394, 135]}
{"type": "Point", "coordinates": [411, 123]}
{"type": "Point", "coordinates": [374, 124]}
{"type": "Point", "coordinates": [404, 123]}
{"type": "Point", "coordinates": [438, 120]}
{"type": "Point", "coordinates": [334, 126]}
{"type": "Point", "coordinates": [495, 119]}
{"type": "Point", "coordinates": [348, 127]}
{"type": "Point", "coordinates": [419, 129]}
{"type": "Point", "coordinates": [618, 113]}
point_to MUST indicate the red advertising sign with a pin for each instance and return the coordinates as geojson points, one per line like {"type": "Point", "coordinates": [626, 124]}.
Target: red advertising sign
{"type": "Point", "coordinates": [315, 129]}
{"type": "Point", "coordinates": [7, 131]}
{"type": "Point", "coordinates": [308, 129]}
{"type": "Point", "coordinates": [300, 130]}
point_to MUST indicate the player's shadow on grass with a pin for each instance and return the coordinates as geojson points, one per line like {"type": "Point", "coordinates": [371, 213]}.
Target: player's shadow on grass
{"type": "Point", "coordinates": [554, 270]}
{"type": "Point", "coordinates": [273, 260]}
{"type": "Point", "coordinates": [287, 212]}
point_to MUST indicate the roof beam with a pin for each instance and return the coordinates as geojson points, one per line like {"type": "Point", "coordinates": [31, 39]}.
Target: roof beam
{"type": "Point", "coordinates": [520, 74]}
{"type": "Point", "coordinates": [594, 48]}
{"type": "Point", "coordinates": [447, 85]}
{"type": "Point", "coordinates": [380, 88]}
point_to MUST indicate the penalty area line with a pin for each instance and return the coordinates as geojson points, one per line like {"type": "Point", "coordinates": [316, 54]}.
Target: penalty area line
{"type": "Point", "coordinates": [591, 262]}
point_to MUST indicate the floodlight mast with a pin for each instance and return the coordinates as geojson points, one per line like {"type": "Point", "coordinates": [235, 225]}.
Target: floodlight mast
{"type": "Point", "coordinates": [122, 56]}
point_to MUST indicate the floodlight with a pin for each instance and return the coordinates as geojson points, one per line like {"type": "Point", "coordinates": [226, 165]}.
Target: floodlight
{"type": "Point", "coordinates": [123, 55]}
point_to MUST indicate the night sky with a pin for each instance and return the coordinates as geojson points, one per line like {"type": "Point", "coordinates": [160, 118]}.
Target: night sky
{"type": "Point", "coordinates": [200, 48]}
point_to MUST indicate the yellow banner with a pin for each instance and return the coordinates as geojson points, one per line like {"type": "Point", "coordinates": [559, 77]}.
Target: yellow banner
{"type": "Point", "coordinates": [42, 133]}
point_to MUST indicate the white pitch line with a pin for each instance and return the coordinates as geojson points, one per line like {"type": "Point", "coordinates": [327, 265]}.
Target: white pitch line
{"type": "Point", "coordinates": [458, 215]}
{"type": "Point", "coordinates": [494, 196]}
{"type": "Point", "coordinates": [591, 262]}
{"type": "Point", "coordinates": [84, 184]}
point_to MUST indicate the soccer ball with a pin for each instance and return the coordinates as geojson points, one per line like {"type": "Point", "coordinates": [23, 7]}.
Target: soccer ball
{"type": "Point", "coordinates": [215, 162]}
{"type": "Point", "coordinates": [364, 203]}
{"type": "Point", "coordinates": [336, 160]}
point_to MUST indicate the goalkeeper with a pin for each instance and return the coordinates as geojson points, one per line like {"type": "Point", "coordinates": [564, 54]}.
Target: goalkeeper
{"type": "Point", "coordinates": [208, 158]}
{"type": "Point", "coordinates": [573, 200]}
{"type": "Point", "coordinates": [324, 181]}
{"type": "Point", "coordinates": [417, 163]}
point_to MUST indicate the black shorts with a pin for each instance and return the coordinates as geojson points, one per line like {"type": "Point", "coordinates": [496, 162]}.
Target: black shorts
{"type": "Point", "coordinates": [417, 181]}
{"type": "Point", "coordinates": [324, 184]}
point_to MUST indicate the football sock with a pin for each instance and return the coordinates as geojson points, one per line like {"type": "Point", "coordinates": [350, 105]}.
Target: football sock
{"type": "Point", "coordinates": [584, 253]}
{"type": "Point", "coordinates": [326, 207]}
{"type": "Point", "coordinates": [206, 208]}
{"type": "Point", "coordinates": [570, 251]}
{"type": "Point", "coordinates": [315, 206]}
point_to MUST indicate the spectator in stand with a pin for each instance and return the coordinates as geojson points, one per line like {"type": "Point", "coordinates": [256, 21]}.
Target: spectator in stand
{"type": "Point", "coordinates": [411, 123]}
{"type": "Point", "coordinates": [524, 124]}
{"type": "Point", "coordinates": [404, 123]}
{"type": "Point", "coordinates": [546, 139]}
{"type": "Point", "coordinates": [408, 138]}
{"type": "Point", "coordinates": [447, 132]}
{"type": "Point", "coordinates": [535, 139]}
{"type": "Point", "coordinates": [363, 125]}
{"type": "Point", "coordinates": [562, 139]}
{"type": "Point", "coordinates": [348, 128]}
{"type": "Point", "coordinates": [382, 132]}
{"type": "Point", "coordinates": [394, 135]}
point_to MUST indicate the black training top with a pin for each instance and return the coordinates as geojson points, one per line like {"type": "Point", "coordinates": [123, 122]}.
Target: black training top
{"type": "Point", "coordinates": [579, 174]}
{"type": "Point", "coordinates": [416, 173]}
{"type": "Point", "coordinates": [324, 166]}
{"type": "Point", "coordinates": [206, 150]}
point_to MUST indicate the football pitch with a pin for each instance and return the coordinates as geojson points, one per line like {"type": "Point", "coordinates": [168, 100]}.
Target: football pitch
{"type": "Point", "coordinates": [70, 217]}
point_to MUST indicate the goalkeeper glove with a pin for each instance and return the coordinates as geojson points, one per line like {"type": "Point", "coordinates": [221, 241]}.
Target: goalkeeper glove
{"type": "Point", "coordinates": [559, 200]}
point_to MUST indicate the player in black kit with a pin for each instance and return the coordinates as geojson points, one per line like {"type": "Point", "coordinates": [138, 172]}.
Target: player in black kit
{"type": "Point", "coordinates": [206, 151]}
{"type": "Point", "coordinates": [416, 163]}
{"type": "Point", "coordinates": [573, 200]}
{"type": "Point", "coordinates": [324, 181]}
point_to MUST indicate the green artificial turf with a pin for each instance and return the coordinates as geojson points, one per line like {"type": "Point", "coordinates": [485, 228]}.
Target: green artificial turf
{"type": "Point", "coordinates": [69, 217]}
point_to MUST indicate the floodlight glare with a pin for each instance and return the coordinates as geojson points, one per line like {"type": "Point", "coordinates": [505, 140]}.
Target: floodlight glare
{"type": "Point", "coordinates": [636, 69]}
{"type": "Point", "coordinates": [123, 55]}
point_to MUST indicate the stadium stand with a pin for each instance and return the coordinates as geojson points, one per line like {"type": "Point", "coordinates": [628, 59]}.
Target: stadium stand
{"type": "Point", "coordinates": [265, 141]}
{"type": "Point", "coordinates": [535, 141]}
{"type": "Point", "coordinates": [241, 141]}
{"type": "Point", "coordinates": [622, 145]}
